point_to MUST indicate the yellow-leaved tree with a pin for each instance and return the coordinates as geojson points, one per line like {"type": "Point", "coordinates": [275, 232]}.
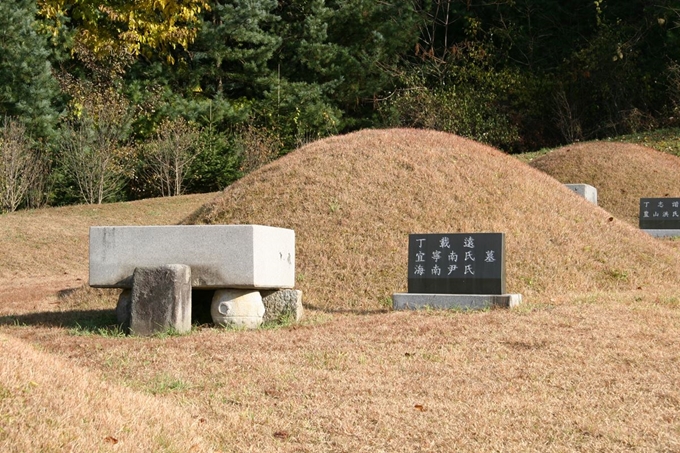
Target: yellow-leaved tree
{"type": "Point", "coordinates": [139, 27]}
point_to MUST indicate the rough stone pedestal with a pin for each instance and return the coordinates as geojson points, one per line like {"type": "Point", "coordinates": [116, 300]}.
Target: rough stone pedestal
{"type": "Point", "coordinates": [282, 305]}
{"type": "Point", "coordinates": [237, 308]}
{"type": "Point", "coordinates": [161, 300]}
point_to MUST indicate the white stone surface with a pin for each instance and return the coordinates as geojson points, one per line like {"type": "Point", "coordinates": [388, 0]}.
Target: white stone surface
{"type": "Point", "coordinates": [220, 256]}
{"type": "Point", "coordinates": [237, 308]}
{"type": "Point", "coordinates": [414, 301]}
{"type": "Point", "coordinates": [585, 190]}
{"type": "Point", "coordinates": [662, 233]}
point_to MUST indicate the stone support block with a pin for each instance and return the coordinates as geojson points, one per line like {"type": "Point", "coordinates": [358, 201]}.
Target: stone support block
{"type": "Point", "coordinates": [237, 308]}
{"type": "Point", "coordinates": [124, 309]}
{"type": "Point", "coordinates": [282, 305]}
{"type": "Point", "coordinates": [161, 300]}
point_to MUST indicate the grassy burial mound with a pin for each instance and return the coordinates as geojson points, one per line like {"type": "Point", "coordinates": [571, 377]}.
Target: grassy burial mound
{"type": "Point", "coordinates": [354, 199]}
{"type": "Point", "coordinates": [622, 173]}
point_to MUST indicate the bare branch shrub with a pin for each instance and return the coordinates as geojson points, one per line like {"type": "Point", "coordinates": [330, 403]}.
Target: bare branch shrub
{"type": "Point", "coordinates": [170, 154]}
{"type": "Point", "coordinates": [674, 90]}
{"type": "Point", "coordinates": [94, 145]}
{"type": "Point", "coordinates": [18, 165]}
{"type": "Point", "coordinates": [566, 117]}
{"type": "Point", "coordinates": [258, 147]}
{"type": "Point", "coordinates": [39, 191]}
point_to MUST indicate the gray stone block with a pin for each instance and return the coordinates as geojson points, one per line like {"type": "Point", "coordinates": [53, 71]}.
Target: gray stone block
{"type": "Point", "coordinates": [281, 305]}
{"type": "Point", "coordinates": [585, 190]}
{"type": "Point", "coordinates": [161, 300]}
{"type": "Point", "coordinates": [413, 301]}
{"type": "Point", "coordinates": [220, 256]}
{"type": "Point", "coordinates": [124, 309]}
{"type": "Point", "coordinates": [237, 308]}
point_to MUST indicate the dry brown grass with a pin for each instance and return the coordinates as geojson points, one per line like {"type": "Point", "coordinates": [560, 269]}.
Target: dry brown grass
{"type": "Point", "coordinates": [590, 363]}
{"type": "Point", "coordinates": [598, 373]}
{"type": "Point", "coordinates": [353, 200]}
{"type": "Point", "coordinates": [622, 174]}
{"type": "Point", "coordinates": [48, 405]}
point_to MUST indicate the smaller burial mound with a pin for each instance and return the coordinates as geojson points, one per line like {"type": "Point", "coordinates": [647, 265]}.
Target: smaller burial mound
{"type": "Point", "coordinates": [354, 199]}
{"type": "Point", "coordinates": [622, 173]}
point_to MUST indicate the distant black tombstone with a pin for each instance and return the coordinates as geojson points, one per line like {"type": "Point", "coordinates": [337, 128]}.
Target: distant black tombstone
{"type": "Point", "coordinates": [470, 263]}
{"type": "Point", "coordinates": [660, 213]}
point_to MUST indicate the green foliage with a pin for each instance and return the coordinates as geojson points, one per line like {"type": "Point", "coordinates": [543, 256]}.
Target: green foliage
{"type": "Point", "coordinates": [664, 140]}
{"type": "Point", "coordinates": [298, 112]}
{"type": "Point", "coordinates": [27, 88]}
{"type": "Point", "coordinates": [216, 164]}
{"type": "Point", "coordinates": [261, 77]}
{"type": "Point", "coordinates": [463, 94]}
{"type": "Point", "coordinates": [234, 47]}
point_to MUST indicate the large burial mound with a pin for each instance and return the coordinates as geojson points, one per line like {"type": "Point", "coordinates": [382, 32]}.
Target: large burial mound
{"type": "Point", "coordinates": [354, 199]}
{"type": "Point", "coordinates": [622, 173]}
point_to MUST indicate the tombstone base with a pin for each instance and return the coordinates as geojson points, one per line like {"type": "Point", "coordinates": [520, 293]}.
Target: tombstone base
{"type": "Point", "coordinates": [662, 233]}
{"type": "Point", "coordinates": [414, 301]}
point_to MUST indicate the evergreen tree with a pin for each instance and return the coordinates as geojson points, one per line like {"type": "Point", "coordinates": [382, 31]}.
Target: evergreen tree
{"type": "Point", "coordinates": [234, 48]}
{"type": "Point", "coordinates": [27, 88]}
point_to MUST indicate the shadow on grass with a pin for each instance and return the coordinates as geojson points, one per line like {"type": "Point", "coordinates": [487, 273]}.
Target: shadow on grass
{"type": "Point", "coordinates": [93, 321]}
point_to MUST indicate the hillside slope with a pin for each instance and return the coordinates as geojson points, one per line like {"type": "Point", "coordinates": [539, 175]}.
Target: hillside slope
{"type": "Point", "coordinates": [354, 199]}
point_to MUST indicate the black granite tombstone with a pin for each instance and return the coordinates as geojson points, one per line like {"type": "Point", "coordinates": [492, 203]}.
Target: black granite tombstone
{"type": "Point", "coordinates": [470, 263]}
{"type": "Point", "coordinates": [660, 213]}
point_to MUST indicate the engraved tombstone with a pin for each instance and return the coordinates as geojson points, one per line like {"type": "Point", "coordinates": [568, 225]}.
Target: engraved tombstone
{"type": "Point", "coordinates": [660, 213]}
{"type": "Point", "coordinates": [454, 263]}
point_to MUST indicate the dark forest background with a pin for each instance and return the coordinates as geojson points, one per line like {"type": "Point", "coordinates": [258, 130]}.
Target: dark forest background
{"type": "Point", "coordinates": [110, 100]}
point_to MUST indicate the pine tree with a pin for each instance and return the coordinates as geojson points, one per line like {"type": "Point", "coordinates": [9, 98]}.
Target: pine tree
{"type": "Point", "coordinates": [27, 88]}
